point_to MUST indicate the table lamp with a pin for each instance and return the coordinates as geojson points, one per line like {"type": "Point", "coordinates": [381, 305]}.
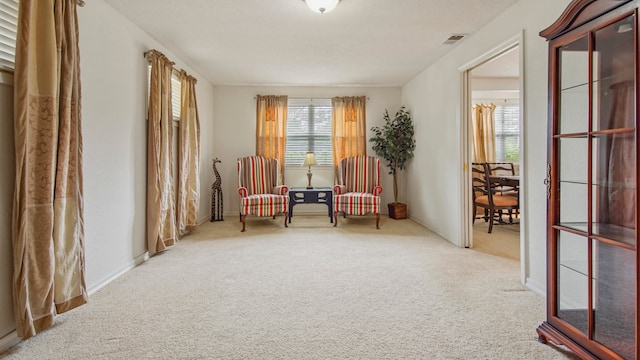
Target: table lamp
{"type": "Point", "coordinates": [309, 159]}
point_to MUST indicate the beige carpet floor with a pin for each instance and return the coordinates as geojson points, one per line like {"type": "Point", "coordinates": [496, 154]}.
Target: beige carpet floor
{"type": "Point", "coordinates": [307, 292]}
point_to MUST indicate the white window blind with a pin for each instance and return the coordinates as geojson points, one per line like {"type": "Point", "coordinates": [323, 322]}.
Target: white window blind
{"type": "Point", "coordinates": [507, 131]}
{"type": "Point", "coordinates": [176, 86]}
{"type": "Point", "coordinates": [8, 30]}
{"type": "Point", "coordinates": [308, 129]}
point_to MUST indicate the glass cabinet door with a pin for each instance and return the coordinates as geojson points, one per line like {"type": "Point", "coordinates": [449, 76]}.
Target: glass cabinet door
{"type": "Point", "coordinates": [595, 211]}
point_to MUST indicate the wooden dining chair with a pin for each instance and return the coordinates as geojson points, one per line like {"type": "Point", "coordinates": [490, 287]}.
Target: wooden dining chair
{"type": "Point", "coordinates": [487, 195]}
{"type": "Point", "coordinates": [503, 168]}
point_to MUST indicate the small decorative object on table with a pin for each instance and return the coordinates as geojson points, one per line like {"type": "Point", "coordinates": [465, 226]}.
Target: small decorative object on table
{"type": "Point", "coordinates": [216, 195]}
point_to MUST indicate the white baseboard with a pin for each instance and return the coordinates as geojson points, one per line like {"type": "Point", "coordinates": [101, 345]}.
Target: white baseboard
{"type": "Point", "coordinates": [536, 287]}
{"type": "Point", "coordinates": [8, 341]}
{"type": "Point", "coordinates": [105, 281]}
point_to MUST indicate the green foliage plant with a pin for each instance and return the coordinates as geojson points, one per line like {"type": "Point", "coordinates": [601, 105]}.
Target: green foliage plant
{"type": "Point", "coordinates": [395, 143]}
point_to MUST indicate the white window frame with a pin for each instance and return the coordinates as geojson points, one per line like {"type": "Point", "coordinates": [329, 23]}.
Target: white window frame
{"type": "Point", "coordinates": [499, 118]}
{"type": "Point", "coordinates": [322, 149]}
{"type": "Point", "coordinates": [8, 33]}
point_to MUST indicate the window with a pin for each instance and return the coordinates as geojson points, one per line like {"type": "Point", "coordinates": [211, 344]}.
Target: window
{"type": "Point", "coordinates": [507, 132]}
{"type": "Point", "coordinates": [176, 88]}
{"type": "Point", "coordinates": [309, 129]}
{"type": "Point", "coordinates": [8, 30]}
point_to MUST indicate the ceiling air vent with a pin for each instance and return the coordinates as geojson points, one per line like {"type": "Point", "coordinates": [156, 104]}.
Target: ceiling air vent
{"type": "Point", "coordinates": [454, 38]}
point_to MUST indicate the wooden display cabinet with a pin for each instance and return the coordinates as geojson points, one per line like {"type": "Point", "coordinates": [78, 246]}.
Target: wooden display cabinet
{"type": "Point", "coordinates": [592, 258]}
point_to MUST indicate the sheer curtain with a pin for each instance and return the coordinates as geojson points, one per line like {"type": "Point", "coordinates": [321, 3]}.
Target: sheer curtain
{"type": "Point", "coordinates": [189, 156]}
{"type": "Point", "coordinates": [48, 217]}
{"type": "Point", "coordinates": [349, 128]}
{"type": "Point", "coordinates": [161, 215]}
{"type": "Point", "coordinates": [483, 133]}
{"type": "Point", "coordinates": [271, 128]}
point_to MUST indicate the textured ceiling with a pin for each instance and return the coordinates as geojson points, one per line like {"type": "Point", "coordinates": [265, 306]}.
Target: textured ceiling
{"type": "Point", "coordinates": [282, 42]}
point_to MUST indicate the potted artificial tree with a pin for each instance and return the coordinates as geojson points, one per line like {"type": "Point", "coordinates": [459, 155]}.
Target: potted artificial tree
{"type": "Point", "coordinates": [394, 142]}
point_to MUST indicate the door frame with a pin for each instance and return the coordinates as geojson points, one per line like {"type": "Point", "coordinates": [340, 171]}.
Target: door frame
{"type": "Point", "coordinates": [465, 141]}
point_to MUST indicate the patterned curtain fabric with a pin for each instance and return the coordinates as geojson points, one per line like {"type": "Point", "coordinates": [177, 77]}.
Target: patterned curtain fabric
{"type": "Point", "coordinates": [189, 175]}
{"type": "Point", "coordinates": [271, 127]}
{"type": "Point", "coordinates": [619, 206]}
{"type": "Point", "coordinates": [349, 128]}
{"type": "Point", "coordinates": [48, 217]}
{"type": "Point", "coordinates": [483, 133]}
{"type": "Point", "coordinates": [161, 213]}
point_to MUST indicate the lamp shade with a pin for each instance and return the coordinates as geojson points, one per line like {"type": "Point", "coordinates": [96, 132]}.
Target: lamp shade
{"type": "Point", "coordinates": [321, 6]}
{"type": "Point", "coordinates": [309, 159]}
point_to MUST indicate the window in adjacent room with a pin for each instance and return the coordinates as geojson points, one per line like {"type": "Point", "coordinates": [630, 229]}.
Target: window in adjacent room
{"type": "Point", "coordinates": [176, 86]}
{"type": "Point", "coordinates": [8, 29]}
{"type": "Point", "coordinates": [507, 133]}
{"type": "Point", "coordinates": [308, 129]}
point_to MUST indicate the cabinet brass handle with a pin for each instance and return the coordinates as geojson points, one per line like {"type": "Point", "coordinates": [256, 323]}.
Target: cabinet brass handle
{"type": "Point", "coordinates": [547, 181]}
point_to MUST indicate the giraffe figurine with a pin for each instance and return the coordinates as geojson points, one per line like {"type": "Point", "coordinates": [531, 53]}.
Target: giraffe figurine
{"type": "Point", "coordinates": [216, 195]}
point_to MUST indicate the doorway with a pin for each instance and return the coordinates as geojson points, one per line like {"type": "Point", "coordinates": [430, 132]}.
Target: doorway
{"type": "Point", "coordinates": [494, 82]}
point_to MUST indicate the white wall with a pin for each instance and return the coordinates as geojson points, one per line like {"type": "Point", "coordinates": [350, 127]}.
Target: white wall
{"type": "Point", "coordinates": [235, 131]}
{"type": "Point", "coordinates": [114, 84]}
{"type": "Point", "coordinates": [434, 97]}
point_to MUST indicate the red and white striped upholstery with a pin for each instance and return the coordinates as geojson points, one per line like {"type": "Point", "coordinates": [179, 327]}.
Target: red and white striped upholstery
{"type": "Point", "coordinates": [258, 188]}
{"type": "Point", "coordinates": [358, 191]}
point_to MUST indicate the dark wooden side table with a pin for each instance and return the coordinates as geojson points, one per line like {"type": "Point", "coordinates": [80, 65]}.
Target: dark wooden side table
{"type": "Point", "coordinates": [319, 195]}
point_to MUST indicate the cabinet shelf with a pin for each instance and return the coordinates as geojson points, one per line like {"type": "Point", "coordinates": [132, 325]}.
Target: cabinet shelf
{"type": "Point", "coordinates": [620, 77]}
{"type": "Point", "coordinates": [610, 233]}
{"type": "Point", "coordinates": [602, 185]}
{"type": "Point", "coordinates": [596, 134]}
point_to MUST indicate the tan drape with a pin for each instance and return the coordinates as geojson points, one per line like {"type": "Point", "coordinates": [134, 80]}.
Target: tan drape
{"type": "Point", "coordinates": [189, 156]}
{"type": "Point", "coordinates": [161, 218]}
{"type": "Point", "coordinates": [621, 154]}
{"type": "Point", "coordinates": [48, 218]}
{"type": "Point", "coordinates": [349, 128]}
{"type": "Point", "coordinates": [483, 133]}
{"type": "Point", "coordinates": [271, 127]}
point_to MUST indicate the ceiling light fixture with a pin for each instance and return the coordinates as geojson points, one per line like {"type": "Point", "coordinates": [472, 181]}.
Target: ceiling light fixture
{"type": "Point", "coordinates": [321, 6]}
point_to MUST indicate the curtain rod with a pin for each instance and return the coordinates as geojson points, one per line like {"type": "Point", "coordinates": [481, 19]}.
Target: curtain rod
{"type": "Point", "coordinates": [291, 97]}
{"type": "Point", "coordinates": [144, 54]}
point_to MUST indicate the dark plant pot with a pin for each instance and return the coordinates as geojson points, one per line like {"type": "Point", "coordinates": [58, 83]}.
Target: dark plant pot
{"type": "Point", "coordinates": [397, 210]}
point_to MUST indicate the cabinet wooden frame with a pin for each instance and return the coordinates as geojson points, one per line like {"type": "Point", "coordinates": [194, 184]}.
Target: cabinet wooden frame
{"type": "Point", "coordinates": [582, 19]}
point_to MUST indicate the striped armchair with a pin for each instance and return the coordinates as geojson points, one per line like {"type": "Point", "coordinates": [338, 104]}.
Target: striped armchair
{"type": "Point", "coordinates": [258, 188]}
{"type": "Point", "coordinates": [358, 190]}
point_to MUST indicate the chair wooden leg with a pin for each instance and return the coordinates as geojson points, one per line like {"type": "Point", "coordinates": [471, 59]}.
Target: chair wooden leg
{"type": "Point", "coordinates": [242, 218]}
{"type": "Point", "coordinates": [335, 216]}
{"type": "Point", "coordinates": [286, 217]}
{"type": "Point", "coordinates": [378, 221]}
{"type": "Point", "coordinates": [490, 223]}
